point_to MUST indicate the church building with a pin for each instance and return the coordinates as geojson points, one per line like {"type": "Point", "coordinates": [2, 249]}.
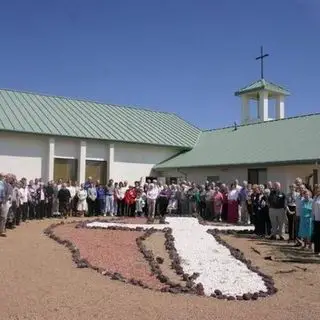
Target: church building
{"type": "Point", "coordinates": [56, 137]}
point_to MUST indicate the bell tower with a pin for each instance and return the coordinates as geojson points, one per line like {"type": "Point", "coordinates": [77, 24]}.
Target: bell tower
{"type": "Point", "coordinates": [261, 92]}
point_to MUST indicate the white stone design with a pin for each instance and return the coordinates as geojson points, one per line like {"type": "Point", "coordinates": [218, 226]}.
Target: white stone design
{"type": "Point", "coordinates": [201, 253]}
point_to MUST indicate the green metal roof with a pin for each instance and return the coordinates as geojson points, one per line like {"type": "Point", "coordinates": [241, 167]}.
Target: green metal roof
{"type": "Point", "coordinates": [262, 84]}
{"type": "Point", "coordinates": [294, 139]}
{"type": "Point", "coordinates": [58, 116]}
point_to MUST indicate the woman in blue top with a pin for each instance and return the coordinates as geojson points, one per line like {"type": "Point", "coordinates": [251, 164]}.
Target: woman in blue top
{"type": "Point", "coordinates": [305, 226]}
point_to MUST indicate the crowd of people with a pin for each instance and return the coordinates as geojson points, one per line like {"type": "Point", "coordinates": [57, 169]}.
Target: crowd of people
{"type": "Point", "coordinates": [267, 207]}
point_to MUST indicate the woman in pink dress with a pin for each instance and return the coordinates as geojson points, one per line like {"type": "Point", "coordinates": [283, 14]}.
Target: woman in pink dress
{"type": "Point", "coordinates": [233, 212]}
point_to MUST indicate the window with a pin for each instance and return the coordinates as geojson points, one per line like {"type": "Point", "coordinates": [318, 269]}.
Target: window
{"type": "Point", "coordinates": [315, 176]}
{"type": "Point", "coordinates": [213, 178]}
{"type": "Point", "coordinates": [171, 180]}
{"type": "Point", "coordinates": [65, 169]}
{"type": "Point", "coordinates": [257, 176]}
{"type": "Point", "coordinates": [97, 170]}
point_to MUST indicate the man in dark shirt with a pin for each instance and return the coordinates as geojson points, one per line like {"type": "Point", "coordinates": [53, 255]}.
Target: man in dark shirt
{"type": "Point", "coordinates": [49, 195]}
{"type": "Point", "coordinates": [277, 205]}
{"type": "Point", "coordinates": [64, 197]}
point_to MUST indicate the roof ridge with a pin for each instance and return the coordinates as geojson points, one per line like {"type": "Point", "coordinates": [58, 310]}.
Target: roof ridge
{"type": "Point", "coordinates": [136, 107]}
{"type": "Point", "coordinates": [266, 122]}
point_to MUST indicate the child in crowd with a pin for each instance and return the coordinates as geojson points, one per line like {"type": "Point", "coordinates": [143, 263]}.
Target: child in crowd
{"type": "Point", "coordinates": [140, 203]}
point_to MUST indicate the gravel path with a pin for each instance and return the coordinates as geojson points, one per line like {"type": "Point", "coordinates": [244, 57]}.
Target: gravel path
{"type": "Point", "coordinates": [39, 281]}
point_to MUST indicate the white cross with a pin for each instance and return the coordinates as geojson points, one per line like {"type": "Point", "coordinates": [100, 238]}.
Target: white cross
{"type": "Point", "coordinates": [201, 253]}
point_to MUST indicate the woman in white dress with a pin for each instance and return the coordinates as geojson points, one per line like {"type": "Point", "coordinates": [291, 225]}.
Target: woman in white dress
{"type": "Point", "coordinates": [82, 200]}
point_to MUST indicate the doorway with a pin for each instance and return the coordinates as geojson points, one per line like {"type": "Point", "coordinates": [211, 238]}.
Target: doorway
{"type": "Point", "coordinates": [97, 170]}
{"type": "Point", "coordinates": [257, 176]}
{"type": "Point", "coordinates": [65, 169]}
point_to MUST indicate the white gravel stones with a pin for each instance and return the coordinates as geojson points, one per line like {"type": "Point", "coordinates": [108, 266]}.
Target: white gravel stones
{"type": "Point", "coordinates": [201, 253]}
{"type": "Point", "coordinates": [218, 269]}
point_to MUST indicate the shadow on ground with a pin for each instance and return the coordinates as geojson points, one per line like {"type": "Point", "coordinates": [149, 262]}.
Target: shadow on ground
{"type": "Point", "coordinates": [282, 251]}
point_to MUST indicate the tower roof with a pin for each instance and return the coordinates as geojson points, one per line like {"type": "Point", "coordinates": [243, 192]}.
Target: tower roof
{"type": "Point", "coordinates": [262, 84]}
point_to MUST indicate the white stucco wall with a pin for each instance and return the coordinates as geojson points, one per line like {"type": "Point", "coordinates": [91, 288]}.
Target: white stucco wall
{"type": "Point", "coordinates": [24, 155]}
{"type": "Point", "coordinates": [199, 175]}
{"type": "Point", "coordinates": [66, 148]}
{"type": "Point", "coordinates": [134, 161]}
{"type": "Point", "coordinates": [28, 156]}
{"type": "Point", "coordinates": [284, 174]}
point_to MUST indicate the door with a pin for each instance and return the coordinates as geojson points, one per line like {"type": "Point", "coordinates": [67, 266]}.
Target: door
{"type": "Point", "coordinates": [97, 170]}
{"type": "Point", "coordinates": [65, 169]}
{"type": "Point", "coordinates": [257, 176]}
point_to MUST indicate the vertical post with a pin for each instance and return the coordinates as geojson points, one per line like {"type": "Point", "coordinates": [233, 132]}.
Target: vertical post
{"type": "Point", "coordinates": [82, 162]}
{"type": "Point", "coordinates": [263, 105]}
{"type": "Point", "coordinates": [245, 112]}
{"type": "Point", "coordinates": [280, 107]}
{"type": "Point", "coordinates": [111, 172]}
{"type": "Point", "coordinates": [51, 159]}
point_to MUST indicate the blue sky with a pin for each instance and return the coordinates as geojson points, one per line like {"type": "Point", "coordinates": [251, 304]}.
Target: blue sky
{"type": "Point", "coordinates": [181, 56]}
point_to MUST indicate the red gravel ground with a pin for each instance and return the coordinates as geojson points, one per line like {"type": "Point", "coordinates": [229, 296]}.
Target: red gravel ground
{"type": "Point", "coordinates": [113, 250]}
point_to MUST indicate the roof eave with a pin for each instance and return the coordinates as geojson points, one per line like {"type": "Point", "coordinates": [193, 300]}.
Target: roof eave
{"type": "Point", "coordinates": [252, 164]}
{"type": "Point", "coordinates": [242, 92]}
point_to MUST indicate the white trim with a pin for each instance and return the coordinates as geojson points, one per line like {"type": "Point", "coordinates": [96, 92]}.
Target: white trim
{"type": "Point", "coordinates": [82, 161]}
{"type": "Point", "coordinates": [51, 159]}
{"type": "Point", "coordinates": [96, 159]}
{"type": "Point", "coordinates": [67, 158]}
{"type": "Point", "coordinates": [110, 162]}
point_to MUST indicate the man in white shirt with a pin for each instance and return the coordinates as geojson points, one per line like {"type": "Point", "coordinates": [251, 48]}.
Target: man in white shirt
{"type": "Point", "coordinates": [152, 196]}
{"type": "Point", "coordinates": [72, 190]}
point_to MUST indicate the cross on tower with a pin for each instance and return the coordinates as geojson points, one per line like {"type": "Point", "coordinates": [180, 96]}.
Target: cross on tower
{"type": "Point", "coordinates": [261, 57]}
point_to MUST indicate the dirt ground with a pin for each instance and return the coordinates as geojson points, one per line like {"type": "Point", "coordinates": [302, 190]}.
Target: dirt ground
{"type": "Point", "coordinates": [156, 243]}
{"type": "Point", "coordinates": [39, 281]}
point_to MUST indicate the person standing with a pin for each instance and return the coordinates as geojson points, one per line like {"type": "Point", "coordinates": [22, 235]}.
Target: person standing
{"type": "Point", "coordinates": [305, 226]}
{"type": "Point", "coordinates": [291, 212]}
{"type": "Point", "coordinates": [101, 198]}
{"type": "Point", "coordinates": [40, 201]}
{"type": "Point", "coordinates": [202, 201]}
{"type": "Point", "coordinates": [121, 192]}
{"type": "Point", "coordinates": [243, 197]}
{"type": "Point", "coordinates": [72, 190]}
{"type": "Point", "coordinates": [82, 200]}
{"type": "Point", "coordinates": [49, 198]}
{"type": "Point", "coordinates": [15, 203]}
{"type": "Point", "coordinates": [92, 196]}
{"type": "Point", "coordinates": [193, 198]}
{"type": "Point", "coordinates": [217, 204]}
{"type": "Point", "coordinates": [299, 199]}
{"type": "Point", "coordinates": [109, 198]}
{"type": "Point", "coordinates": [163, 200]}
{"type": "Point", "coordinates": [183, 200]}
{"type": "Point", "coordinates": [152, 196]}
{"type": "Point", "coordinates": [233, 204]}
{"type": "Point", "coordinates": [31, 200]}
{"type": "Point", "coordinates": [316, 218]}
{"type": "Point", "coordinates": [64, 198]}
{"type": "Point", "coordinates": [277, 206]}
{"type": "Point", "coordinates": [139, 204]}
{"type": "Point", "coordinates": [24, 200]}
{"type": "Point", "coordinates": [115, 199]}
{"type": "Point", "coordinates": [4, 206]}
{"type": "Point", "coordinates": [209, 213]}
